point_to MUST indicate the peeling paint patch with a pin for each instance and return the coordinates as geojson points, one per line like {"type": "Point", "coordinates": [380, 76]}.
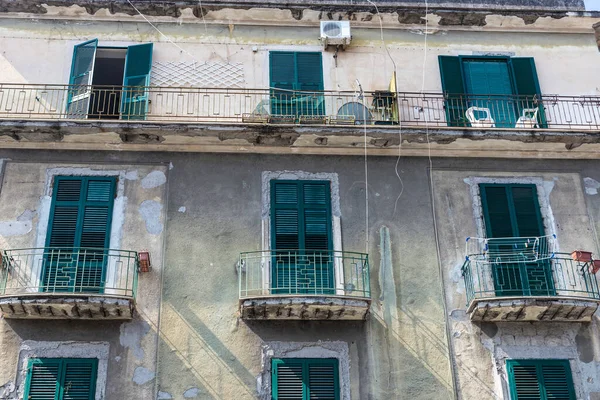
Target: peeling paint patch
{"type": "Point", "coordinates": [131, 336]}
{"type": "Point", "coordinates": [154, 179]}
{"type": "Point", "coordinates": [150, 212]}
{"type": "Point", "coordinates": [181, 209]}
{"type": "Point", "coordinates": [191, 393]}
{"type": "Point", "coordinates": [142, 375]}
{"type": "Point", "coordinates": [131, 175]}
{"type": "Point", "coordinates": [591, 186]}
{"type": "Point", "coordinates": [21, 226]}
{"type": "Point", "coordinates": [7, 390]}
{"type": "Point", "coordinates": [163, 396]}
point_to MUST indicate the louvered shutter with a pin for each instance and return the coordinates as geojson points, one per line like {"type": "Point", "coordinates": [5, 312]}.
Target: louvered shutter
{"type": "Point", "coordinates": [79, 231]}
{"type": "Point", "coordinates": [526, 382]}
{"type": "Point", "coordinates": [310, 79]}
{"type": "Point", "coordinates": [558, 383]}
{"type": "Point", "coordinates": [305, 379]}
{"type": "Point", "coordinates": [282, 69]}
{"type": "Point", "coordinates": [287, 380]}
{"type": "Point", "coordinates": [489, 85]}
{"type": "Point", "coordinates": [323, 380]}
{"type": "Point", "coordinates": [454, 90]}
{"type": "Point", "coordinates": [43, 378]}
{"type": "Point", "coordinates": [80, 80]}
{"type": "Point", "coordinates": [512, 211]}
{"type": "Point", "coordinates": [79, 379]}
{"type": "Point", "coordinates": [528, 86]}
{"type": "Point", "coordinates": [496, 210]}
{"type": "Point", "coordinates": [301, 223]}
{"type": "Point", "coordinates": [540, 380]}
{"type": "Point", "coordinates": [136, 79]}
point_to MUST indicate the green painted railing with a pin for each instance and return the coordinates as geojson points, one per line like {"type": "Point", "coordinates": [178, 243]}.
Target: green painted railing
{"type": "Point", "coordinates": [556, 276]}
{"type": "Point", "coordinates": [277, 273]}
{"type": "Point", "coordinates": [69, 271]}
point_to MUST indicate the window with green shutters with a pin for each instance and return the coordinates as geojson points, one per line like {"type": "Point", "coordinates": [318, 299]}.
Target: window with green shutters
{"type": "Point", "coordinates": [61, 379]}
{"type": "Point", "coordinates": [299, 78]}
{"type": "Point", "coordinates": [78, 233]}
{"type": "Point", "coordinates": [301, 237]}
{"type": "Point", "coordinates": [305, 379]}
{"type": "Point", "coordinates": [505, 85]}
{"type": "Point", "coordinates": [540, 380]}
{"type": "Point", "coordinates": [131, 99]}
{"type": "Point", "coordinates": [512, 211]}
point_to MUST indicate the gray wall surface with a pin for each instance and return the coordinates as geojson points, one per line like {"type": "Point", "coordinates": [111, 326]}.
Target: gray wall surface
{"type": "Point", "coordinates": [214, 212]}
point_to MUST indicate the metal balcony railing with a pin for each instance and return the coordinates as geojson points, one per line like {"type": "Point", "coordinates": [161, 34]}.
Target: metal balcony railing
{"type": "Point", "coordinates": [72, 271]}
{"type": "Point", "coordinates": [188, 104]}
{"type": "Point", "coordinates": [558, 276]}
{"type": "Point", "coordinates": [282, 273]}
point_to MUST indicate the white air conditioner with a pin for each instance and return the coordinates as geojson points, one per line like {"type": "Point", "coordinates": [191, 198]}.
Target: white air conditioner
{"type": "Point", "coordinates": [336, 33]}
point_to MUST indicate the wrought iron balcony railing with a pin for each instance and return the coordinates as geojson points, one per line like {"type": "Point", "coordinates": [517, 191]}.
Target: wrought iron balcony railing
{"type": "Point", "coordinates": [188, 104]}
{"type": "Point", "coordinates": [557, 276]}
{"type": "Point", "coordinates": [72, 271]}
{"type": "Point", "coordinates": [282, 273]}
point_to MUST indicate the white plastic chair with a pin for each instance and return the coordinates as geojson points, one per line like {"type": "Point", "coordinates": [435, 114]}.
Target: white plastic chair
{"type": "Point", "coordinates": [486, 122]}
{"type": "Point", "coordinates": [529, 119]}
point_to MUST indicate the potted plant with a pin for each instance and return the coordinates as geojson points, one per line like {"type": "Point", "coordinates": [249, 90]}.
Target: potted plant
{"type": "Point", "coordinates": [582, 256]}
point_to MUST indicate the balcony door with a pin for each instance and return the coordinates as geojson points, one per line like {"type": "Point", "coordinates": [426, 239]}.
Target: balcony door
{"type": "Point", "coordinates": [76, 253]}
{"type": "Point", "coordinates": [511, 214]}
{"type": "Point", "coordinates": [109, 82]}
{"type": "Point", "coordinates": [504, 85]}
{"type": "Point", "coordinates": [301, 238]}
{"type": "Point", "coordinates": [299, 78]}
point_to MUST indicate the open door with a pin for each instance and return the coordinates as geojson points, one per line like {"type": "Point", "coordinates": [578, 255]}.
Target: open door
{"type": "Point", "coordinates": [80, 81]}
{"type": "Point", "coordinates": [136, 79]}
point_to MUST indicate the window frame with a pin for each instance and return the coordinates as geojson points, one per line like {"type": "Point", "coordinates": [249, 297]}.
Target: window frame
{"type": "Point", "coordinates": [305, 363]}
{"type": "Point", "coordinates": [332, 177]}
{"type": "Point", "coordinates": [62, 365]}
{"type": "Point", "coordinates": [539, 363]}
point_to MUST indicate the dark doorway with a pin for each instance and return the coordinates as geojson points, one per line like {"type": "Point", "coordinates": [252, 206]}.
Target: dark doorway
{"type": "Point", "coordinates": [109, 66]}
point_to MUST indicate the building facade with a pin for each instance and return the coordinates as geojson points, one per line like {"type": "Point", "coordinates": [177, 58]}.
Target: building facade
{"type": "Point", "coordinates": [341, 200]}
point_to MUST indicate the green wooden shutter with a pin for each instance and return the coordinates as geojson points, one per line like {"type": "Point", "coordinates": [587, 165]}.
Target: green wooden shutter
{"type": "Point", "coordinates": [79, 231]}
{"type": "Point", "coordinates": [301, 223]}
{"type": "Point", "coordinates": [309, 67]}
{"type": "Point", "coordinates": [454, 90]}
{"type": "Point", "coordinates": [61, 379]}
{"type": "Point", "coordinates": [512, 211]}
{"type": "Point", "coordinates": [80, 79]}
{"type": "Point", "coordinates": [489, 85]}
{"type": "Point", "coordinates": [540, 380]}
{"type": "Point", "coordinates": [136, 79]}
{"type": "Point", "coordinates": [296, 71]}
{"type": "Point", "coordinates": [528, 86]}
{"type": "Point", "coordinates": [282, 68]}
{"type": "Point", "coordinates": [323, 379]}
{"type": "Point", "coordinates": [43, 377]}
{"type": "Point", "coordinates": [287, 379]}
{"type": "Point", "coordinates": [305, 379]}
{"type": "Point", "coordinates": [79, 379]}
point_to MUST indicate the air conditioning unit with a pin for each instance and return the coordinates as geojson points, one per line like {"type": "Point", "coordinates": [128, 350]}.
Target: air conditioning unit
{"type": "Point", "coordinates": [336, 33]}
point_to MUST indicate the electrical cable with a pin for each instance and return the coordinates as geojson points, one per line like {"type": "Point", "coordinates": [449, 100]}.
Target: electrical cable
{"type": "Point", "coordinates": [434, 218]}
{"type": "Point", "coordinates": [398, 108]}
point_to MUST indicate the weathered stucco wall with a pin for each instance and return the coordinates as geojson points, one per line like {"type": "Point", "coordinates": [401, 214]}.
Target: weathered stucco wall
{"type": "Point", "coordinates": [481, 349]}
{"type": "Point", "coordinates": [557, 55]}
{"type": "Point", "coordinates": [205, 349]}
{"type": "Point", "coordinates": [138, 224]}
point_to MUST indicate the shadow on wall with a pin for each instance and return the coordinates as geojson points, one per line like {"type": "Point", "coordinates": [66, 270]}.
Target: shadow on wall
{"type": "Point", "coordinates": [193, 357]}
